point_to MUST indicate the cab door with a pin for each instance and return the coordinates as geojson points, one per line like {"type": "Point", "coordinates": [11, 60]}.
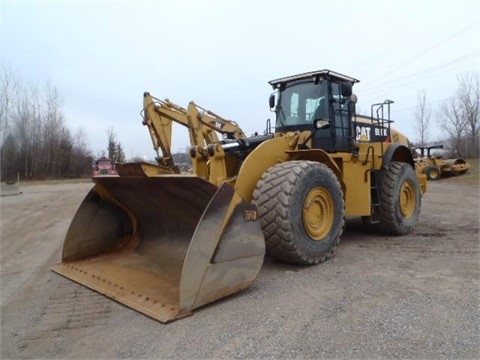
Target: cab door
{"type": "Point", "coordinates": [338, 136]}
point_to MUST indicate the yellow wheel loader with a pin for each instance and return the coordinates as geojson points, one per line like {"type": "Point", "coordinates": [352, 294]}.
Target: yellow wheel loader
{"type": "Point", "coordinates": [165, 243]}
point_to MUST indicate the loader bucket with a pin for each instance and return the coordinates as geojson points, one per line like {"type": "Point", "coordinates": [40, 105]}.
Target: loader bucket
{"type": "Point", "coordinates": [163, 245]}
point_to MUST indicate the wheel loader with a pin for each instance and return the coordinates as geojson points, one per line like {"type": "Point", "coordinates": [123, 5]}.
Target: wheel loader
{"type": "Point", "coordinates": [166, 243]}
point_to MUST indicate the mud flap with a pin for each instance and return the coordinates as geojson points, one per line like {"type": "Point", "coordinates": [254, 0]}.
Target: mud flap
{"type": "Point", "coordinates": [163, 245]}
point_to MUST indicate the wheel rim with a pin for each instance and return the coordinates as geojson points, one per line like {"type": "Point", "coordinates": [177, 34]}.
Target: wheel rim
{"type": "Point", "coordinates": [408, 199]}
{"type": "Point", "coordinates": [434, 173]}
{"type": "Point", "coordinates": [318, 213]}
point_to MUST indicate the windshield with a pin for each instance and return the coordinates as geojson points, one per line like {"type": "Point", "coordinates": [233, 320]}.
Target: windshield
{"type": "Point", "coordinates": [301, 103]}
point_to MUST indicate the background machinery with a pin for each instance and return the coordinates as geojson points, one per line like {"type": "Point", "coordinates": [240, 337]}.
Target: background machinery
{"type": "Point", "coordinates": [434, 167]}
{"type": "Point", "coordinates": [203, 126]}
{"type": "Point", "coordinates": [169, 243]}
{"type": "Point", "coordinates": [104, 167]}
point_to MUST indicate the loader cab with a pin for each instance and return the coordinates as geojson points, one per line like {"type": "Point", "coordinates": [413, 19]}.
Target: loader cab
{"type": "Point", "coordinates": [319, 100]}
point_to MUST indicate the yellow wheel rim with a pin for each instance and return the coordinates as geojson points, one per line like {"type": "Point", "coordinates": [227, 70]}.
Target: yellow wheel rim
{"type": "Point", "coordinates": [434, 174]}
{"type": "Point", "coordinates": [408, 199]}
{"type": "Point", "coordinates": [318, 213]}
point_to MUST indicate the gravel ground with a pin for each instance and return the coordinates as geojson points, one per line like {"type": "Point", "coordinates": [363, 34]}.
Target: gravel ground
{"type": "Point", "coordinates": [414, 296]}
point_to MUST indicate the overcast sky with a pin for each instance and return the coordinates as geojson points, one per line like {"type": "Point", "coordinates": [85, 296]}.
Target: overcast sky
{"type": "Point", "coordinates": [102, 56]}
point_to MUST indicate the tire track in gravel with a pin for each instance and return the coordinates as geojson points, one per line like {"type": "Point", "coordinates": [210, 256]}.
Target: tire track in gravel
{"type": "Point", "coordinates": [30, 246]}
{"type": "Point", "coordinates": [69, 308]}
{"type": "Point", "coordinates": [414, 295]}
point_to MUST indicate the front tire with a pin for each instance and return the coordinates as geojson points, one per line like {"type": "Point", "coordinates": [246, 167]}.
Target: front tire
{"type": "Point", "coordinates": [400, 199]}
{"type": "Point", "coordinates": [301, 210]}
{"type": "Point", "coordinates": [432, 172]}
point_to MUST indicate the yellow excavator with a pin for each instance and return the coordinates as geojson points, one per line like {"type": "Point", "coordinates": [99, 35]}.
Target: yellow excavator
{"type": "Point", "coordinates": [203, 128]}
{"type": "Point", "coordinates": [166, 243]}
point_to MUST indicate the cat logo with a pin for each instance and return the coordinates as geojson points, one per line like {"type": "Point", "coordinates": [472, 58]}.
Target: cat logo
{"type": "Point", "coordinates": [363, 133]}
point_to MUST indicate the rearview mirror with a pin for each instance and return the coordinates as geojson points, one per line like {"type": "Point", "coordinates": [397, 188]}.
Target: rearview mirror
{"type": "Point", "coordinates": [271, 101]}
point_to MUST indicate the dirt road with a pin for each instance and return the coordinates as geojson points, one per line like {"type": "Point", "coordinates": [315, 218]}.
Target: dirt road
{"type": "Point", "coordinates": [414, 296]}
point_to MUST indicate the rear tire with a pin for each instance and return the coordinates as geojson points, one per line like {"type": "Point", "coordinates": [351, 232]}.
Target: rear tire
{"type": "Point", "coordinates": [400, 199]}
{"type": "Point", "coordinates": [432, 172]}
{"type": "Point", "coordinates": [301, 210]}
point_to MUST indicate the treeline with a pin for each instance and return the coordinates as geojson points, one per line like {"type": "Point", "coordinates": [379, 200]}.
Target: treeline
{"type": "Point", "coordinates": [457, 116]}
{"type": "Point", "coordinates": [35, 141]}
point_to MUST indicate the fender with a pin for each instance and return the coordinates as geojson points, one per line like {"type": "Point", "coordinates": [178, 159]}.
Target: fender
{"type": "Point", "coordinates": [264, 156]}
{"type": "Point", "coordinates": [397, 152]}
{"type": "Point", "coordinates": [320, 156]}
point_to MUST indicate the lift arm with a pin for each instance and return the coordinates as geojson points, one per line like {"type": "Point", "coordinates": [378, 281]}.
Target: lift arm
{"type": "Point", "coordinates": [203, 125]}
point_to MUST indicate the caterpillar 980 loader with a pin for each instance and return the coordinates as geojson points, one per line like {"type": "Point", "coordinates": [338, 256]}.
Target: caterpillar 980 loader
{"type": "Point", "coordinates": [166, 243]}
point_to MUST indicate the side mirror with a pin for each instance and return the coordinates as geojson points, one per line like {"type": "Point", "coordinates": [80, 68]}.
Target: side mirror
{"type": "Point", "coordinates": [271, 101]}
{"type": "Point", "coordinates": [346, 88]}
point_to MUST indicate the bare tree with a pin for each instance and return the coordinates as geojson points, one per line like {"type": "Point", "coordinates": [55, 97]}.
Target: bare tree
{"type": "Point", "coordinates": [35, 141]}
{"type": "Point", "coordinates": [9, 156]}
{"type": "Point", "coordinates": [8, 93]}
{"type": "Point", "coordinates": [8, 143]}
{"type": "Point", "coordinates": [80, 140]}
{"type": "Point", "coordinates": [57, 138]}
{"type": "Point", "coordinates": [468, 95]}
{"type": "Point", "coordinates": [452, 122]}
{"type": "Point", "coordinates": [422, 117]}
{"type": "Point", "coordinates": [459, 116]}
{"type": "Point", "coordinates": [22, 120]}
{"type": "Point", "coordinates": [81, 157]}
